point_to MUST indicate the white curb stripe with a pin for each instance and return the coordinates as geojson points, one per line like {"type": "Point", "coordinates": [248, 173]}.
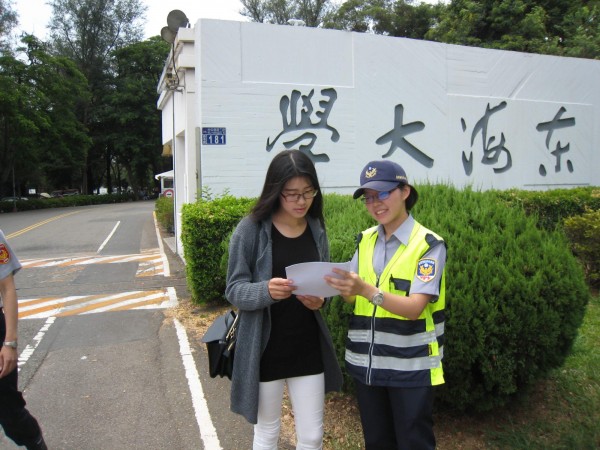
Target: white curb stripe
{"type": "Point", "coordinates": [161, 248]}
{"type": "Point", "coordinates": [208, 433]}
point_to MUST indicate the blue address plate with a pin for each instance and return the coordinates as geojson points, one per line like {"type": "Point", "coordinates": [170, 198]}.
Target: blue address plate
{"type": "Point", "coordinates": [214, 136]}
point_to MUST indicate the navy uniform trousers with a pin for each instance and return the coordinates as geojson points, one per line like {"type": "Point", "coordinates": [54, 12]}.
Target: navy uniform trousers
{"type": "Point", "coordinates": [396, 418]}
{"type": "Point", "coordinates": [18, 424]}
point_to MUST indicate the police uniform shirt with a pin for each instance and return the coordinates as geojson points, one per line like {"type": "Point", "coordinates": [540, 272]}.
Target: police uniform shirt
{"type": "Point", "coordinates": [385, 250]}
{"type": "Point", "coordinates": [9, 264]}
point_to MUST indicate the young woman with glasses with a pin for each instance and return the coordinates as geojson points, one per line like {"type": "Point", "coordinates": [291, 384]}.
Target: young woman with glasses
{"type": "Point", "coordinates": [282, 338]}
{"type": "Point", "coordinates": [395, 339]}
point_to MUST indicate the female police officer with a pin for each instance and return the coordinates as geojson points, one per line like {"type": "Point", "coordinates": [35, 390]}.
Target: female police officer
{"type": "Point", "coordinates": [395, 338]}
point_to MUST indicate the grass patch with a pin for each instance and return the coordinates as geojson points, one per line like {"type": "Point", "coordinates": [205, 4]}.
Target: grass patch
{"type": "Point", "coordinates": [560, 412]}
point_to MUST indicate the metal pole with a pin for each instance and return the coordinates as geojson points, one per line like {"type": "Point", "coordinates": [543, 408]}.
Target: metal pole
{"type": "Point", "coordinates": [175, 228]}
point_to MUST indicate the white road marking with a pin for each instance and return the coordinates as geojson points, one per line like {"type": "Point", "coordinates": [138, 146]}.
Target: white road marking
{"type": "Point", "coordinates": [150, 262]}
{"type": "Point", "coordinates": [208, 433]}
{"type": "Point", "coordinates": [109, 236]}
{"type": "Point", "coordinates": [29, 349]}
{"type": "Point", "coordinates": [40, 308]}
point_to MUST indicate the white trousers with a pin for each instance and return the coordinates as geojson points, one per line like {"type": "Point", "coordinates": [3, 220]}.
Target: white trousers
{"type": "Point", "coordinates": [307, 395]}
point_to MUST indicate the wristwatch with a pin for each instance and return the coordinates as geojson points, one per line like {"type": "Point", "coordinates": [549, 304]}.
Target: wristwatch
{"type": "Point", "coordinates": [377, 299]}
{"type": "Point", "coordinates": [11, 344]}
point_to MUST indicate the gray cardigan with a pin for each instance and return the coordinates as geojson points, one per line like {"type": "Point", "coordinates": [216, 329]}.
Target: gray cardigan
{"type": "Point", "coordinates": [248, 275]}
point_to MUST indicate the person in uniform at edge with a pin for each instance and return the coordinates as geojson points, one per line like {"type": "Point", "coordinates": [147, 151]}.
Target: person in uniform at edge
{"type": "Point", "coordinates": [282, 338]}
{"type": "Point", "coordinates": [17, 422]}
{"type": "Point", "coordinates": [395, 339]}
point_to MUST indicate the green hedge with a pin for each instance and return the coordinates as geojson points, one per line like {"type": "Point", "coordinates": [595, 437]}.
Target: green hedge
{"type": "Point", "coordinates": [204, 226]}
{"type": "Point", "coordinates": [165, 212]}
{"type": "Point", "coordinates": [584, 234]}
{"type": "Point", "coordinates": [63, 202]}
{"type": "Point", "coordinates": [515, 293]}
{"type": "Point", "coordinates": [515, 296]}
{"type": "Point", "coordinates": [552, 207]}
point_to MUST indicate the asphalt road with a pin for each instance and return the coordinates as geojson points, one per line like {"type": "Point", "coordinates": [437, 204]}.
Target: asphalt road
{"type": "Point", "coordinates": [101, 364]}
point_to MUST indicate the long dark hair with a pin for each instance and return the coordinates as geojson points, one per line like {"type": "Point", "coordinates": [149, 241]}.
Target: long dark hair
{"type": "Point", "coordinates": [285, 166]}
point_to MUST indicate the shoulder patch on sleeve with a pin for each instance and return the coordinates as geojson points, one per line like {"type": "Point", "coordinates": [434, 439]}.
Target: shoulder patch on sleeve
{"type": "Point", "coordinates": [426, 269]}
{"type": "Point", "coordinates": [4, 254]}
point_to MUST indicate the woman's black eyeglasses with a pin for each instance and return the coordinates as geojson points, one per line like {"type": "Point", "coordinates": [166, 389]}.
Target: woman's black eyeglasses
{"type": "Point", "coordinates": [308, 195]}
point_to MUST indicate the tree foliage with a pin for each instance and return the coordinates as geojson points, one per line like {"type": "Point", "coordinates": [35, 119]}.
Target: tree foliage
{"type": "Point", "coordinates": [311, 12]}
{"type": "Point", "coordinates": [555, 27]}
{"type": "Point", "coordinates": [391, 18]}
{"type": "Point", "coordinates": [81, 108]}
{"type": "Point", "coordinates": [582, 31]}
{"type": "Point", "coordinates": [361, 16]}
{"type": "Point", "coordinates": [63, 89]}
{"type": "Point", "coordinates": [88, 32]}
{"type": "Point", "coordinates": [135, 123]}
{"type": "Point", "coordinates": [8, 20]}
{"type": "Point", "coordinates": [41, 138]}
{"type": "Point", "coordinates": [558, 27]}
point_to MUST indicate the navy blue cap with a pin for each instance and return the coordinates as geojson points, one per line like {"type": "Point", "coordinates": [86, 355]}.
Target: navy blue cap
{"type": "Point", "coordinates": [384, 176]}
{"type": "Point", "coordinates": [381, 176]}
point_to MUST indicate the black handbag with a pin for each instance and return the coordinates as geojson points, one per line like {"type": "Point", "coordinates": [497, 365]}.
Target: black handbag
{"type": "Point", "coordinates": [220, 343]}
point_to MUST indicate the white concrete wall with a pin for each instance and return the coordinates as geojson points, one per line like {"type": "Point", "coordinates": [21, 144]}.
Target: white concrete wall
{"type": "Point", "coordinates": [436, 94]}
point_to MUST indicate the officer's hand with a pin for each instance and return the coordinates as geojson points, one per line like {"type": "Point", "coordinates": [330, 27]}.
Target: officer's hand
{"type": "Point", "coordinates": [349, 283]}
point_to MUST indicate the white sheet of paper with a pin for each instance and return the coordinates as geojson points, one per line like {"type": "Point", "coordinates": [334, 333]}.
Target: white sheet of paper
{"type": "Point", "coordinates": [309, 277]}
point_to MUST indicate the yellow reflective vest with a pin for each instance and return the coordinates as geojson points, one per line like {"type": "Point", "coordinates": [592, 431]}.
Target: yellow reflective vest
{"type": "Point", "coordinates": [385, 349]}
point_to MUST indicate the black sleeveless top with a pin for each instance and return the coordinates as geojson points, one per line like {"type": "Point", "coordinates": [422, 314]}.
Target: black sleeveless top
{"type": "Point", "coordinates": [293, 349]}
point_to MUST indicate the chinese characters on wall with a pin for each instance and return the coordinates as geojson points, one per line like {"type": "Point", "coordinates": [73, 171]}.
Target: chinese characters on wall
{"type": "Point", "coordinates": [549, 127]}
{"type": "Point", "coordinates": [301, 121]}
{"type": "Point", "coordinates": [304, 114]}
{"type": "Point", "coordinates": [491, 153]}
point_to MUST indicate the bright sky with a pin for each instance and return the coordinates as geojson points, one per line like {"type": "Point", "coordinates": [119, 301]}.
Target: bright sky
{"type": "Point", "coordinates": [35, 14]}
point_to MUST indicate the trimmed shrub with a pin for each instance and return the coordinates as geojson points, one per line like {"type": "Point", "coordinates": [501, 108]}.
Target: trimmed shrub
{"type": "Point", "coordinates": [552, 207]}
{"type": "Point", "coordinates": [204, 225]}
{"type": "Point", "coordinates": [515, 296]}
{"type": "Point", "coordinates": [165, 212]}
{"type": "Point", "coordinates": [584, 234]}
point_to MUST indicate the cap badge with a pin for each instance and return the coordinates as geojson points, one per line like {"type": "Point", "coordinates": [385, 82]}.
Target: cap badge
{"type": "Point", "coordinates": [370, 173]}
